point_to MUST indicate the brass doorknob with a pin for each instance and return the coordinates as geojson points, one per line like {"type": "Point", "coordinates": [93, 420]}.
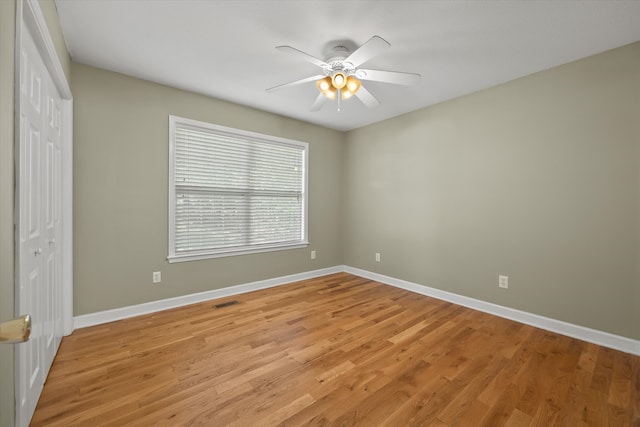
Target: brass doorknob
{"type": "Point", "coordinates": [16, 330]}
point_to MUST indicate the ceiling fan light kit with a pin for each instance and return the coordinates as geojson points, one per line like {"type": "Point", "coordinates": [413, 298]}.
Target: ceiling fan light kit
{"type": "Point", "coordinates": [346, 85]}
{"type": "Point", "coordinates": [340, 78]}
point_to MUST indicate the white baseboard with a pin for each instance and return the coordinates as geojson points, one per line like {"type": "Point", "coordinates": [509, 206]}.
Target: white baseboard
{"type": "Point", "coordinates": [605, 339]}
{"type": "Point", "coordinates": [107, 316]}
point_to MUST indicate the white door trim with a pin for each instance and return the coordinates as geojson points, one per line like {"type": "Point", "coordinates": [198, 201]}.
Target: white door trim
{"type": "Point", "coordinates": [29, 17]}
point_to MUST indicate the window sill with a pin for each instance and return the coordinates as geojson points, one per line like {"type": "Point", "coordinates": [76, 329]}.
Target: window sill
{"type": "Point", "coordinates": [231, 252]}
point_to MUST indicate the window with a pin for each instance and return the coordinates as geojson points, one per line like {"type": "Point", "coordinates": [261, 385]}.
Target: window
{"type": "Point", "coordinates": [233, 192]}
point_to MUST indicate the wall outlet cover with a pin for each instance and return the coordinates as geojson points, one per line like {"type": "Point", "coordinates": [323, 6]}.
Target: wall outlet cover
{"type": "Point", "coordinates": [503, 281]}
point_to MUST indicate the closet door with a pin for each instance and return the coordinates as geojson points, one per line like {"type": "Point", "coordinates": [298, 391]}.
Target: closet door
{"type": "Point", "coordinates": [51, 253]}
{"type": "Point", "coordinates": [39, 226]}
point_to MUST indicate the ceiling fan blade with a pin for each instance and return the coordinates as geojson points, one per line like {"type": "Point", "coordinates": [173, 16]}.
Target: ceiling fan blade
{"type": "Point", "coordinates": [296, 82]}
{"type": "Point", "coordinates": [303, 55]}
{"type": "Point", "coordinates": [367, 99]}
{"type": "Point", "coordinates": [318, 103]}
{"type": "Point", "coordinates": [371, 48]}
{"type": "Point", "coordinates": [394, 77]}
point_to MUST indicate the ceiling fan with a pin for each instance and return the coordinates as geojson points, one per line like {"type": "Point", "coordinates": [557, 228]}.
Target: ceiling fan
{"type": "Point", "coordinates": [340, 76]}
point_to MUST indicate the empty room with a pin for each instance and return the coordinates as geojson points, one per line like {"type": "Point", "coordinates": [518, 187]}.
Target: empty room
{"type": "Point", "coordinates": [319, 212]}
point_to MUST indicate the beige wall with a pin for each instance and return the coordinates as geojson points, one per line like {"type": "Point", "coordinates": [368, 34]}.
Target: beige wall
{"type": "Point", "coordinates": [7, 43]}
{"type": "Point", "coordinates": [121, 183]}
{"type": "Point", "coordinates": [637, 284]}
{"type": "Point", "coordinates": [537, 179]}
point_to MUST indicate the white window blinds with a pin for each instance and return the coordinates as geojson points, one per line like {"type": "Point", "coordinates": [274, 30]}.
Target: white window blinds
{"type": "Point", "coordinates": [233, 192]}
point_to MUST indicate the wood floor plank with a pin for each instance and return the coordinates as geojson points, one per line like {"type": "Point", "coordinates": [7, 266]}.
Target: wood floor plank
{"type": "Point", "coordinates": [518, 419]}
{"type": "Point", "coordinates": [330, 351]}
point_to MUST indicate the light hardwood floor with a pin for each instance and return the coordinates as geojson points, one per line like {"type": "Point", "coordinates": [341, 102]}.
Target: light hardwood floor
{"type": "Point", "coordinates": [337, 350]}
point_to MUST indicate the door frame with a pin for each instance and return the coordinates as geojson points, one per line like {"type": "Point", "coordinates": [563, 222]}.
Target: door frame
{"type": "Point", "coordinates": [29, 18]}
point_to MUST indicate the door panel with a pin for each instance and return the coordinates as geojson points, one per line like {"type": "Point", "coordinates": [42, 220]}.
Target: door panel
{"type": "Point", "coordinates": [32, 349]}
{"type": "Point", "coordinates": [57, 241]}
{"type": "Point", "coordinates": [33, 179]}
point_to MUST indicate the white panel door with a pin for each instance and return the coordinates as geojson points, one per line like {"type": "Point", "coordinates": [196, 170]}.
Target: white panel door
{"type": "Point", "coordinates": [51, 253]}
{"type": "Point", "coordinates": [39, 226]}
{"type": "Point", "coordinates": [30, 257]}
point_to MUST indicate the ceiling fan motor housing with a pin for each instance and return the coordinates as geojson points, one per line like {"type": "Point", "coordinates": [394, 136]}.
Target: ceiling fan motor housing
{"type": "Point", "coordinates": [335, 58]}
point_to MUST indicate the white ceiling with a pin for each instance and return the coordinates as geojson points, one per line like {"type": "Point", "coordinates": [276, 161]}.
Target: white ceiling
{"type": "Point", "coordinates": [226, 49]}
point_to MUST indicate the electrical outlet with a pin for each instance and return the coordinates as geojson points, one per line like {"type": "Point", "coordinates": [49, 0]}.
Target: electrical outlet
{"type": "Point", "coordinates": [157, 277]}
{"type": "Point", "coordinates": [377, 256]}
{"type": "Point", "coordinates": [503, 282]}
{"type": "Point", "coordinates": [313, 254]}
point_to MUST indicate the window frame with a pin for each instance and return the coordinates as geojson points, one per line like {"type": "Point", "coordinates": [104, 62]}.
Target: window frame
{"type": "Point", "coordinates": [176, 121]}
